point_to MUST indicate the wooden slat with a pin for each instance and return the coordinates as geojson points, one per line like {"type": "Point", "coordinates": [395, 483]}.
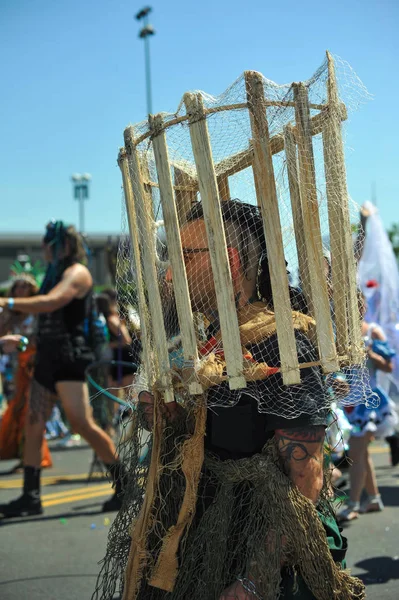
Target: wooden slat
{"type": "Point", "coordinates": [240, 161]}
{"type": "Point", "coordinates": [217, 109]}
{"type": "Point", "coordinates": [145, 329]}
{"type": "Point", "coordinates": [180, 286]}
{"type": "Point", "coordinates": [263, 168]}
{"type": "Point", "coordinates": [147, 250]}
{"type": "Point", "coordinates": [185, 193]}
{"type": "Point", "coordinates": [223, 186]}
{"type": "Point", "coordinates": [216, 240]}
{"type": "Point", "coordinates": [314, 248]}
{"type": "Point", "coordinates": [296, 205]}
{"type": "Point", "coordinates": [347, 318]}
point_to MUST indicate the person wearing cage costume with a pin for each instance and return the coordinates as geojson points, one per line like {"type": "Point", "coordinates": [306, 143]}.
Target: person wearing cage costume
{"type": "Point", "coordinates": [261, 513]}
{"type": "Point", "coordinates": [63, 306]}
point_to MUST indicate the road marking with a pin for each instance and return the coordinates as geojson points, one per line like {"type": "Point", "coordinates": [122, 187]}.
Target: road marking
{"type": "Point", "coordinates": [379, 450]}
{"type": "Point", "coordinates": [78, 492]}
{"type": "Point", "coordinates": [52, 480]}
{"type": "Point", "coordinates": [73, 498]}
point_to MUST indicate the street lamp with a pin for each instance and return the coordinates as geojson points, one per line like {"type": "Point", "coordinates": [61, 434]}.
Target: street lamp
{"type": "Point", "coordinates": [145, 33]}
{"type": "Point", "coordinates": [81, 193]}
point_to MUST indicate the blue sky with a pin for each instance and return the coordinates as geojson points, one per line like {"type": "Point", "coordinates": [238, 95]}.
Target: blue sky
{"type": "Point", "coordinates": [72, 77]}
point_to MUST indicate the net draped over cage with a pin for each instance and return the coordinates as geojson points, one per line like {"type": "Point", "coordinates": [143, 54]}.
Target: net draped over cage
{"type": "Point", "coordinates": [240, 263]}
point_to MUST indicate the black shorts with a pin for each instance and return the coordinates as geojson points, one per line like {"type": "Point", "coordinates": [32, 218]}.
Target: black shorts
{"type": "Point", "coordinates": [61, 360]}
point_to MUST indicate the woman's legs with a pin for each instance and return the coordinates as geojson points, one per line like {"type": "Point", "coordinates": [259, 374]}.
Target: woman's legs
{"type": "Point", "coordinates": [358, 472]}
{"type": "Point", "coordinates": [371, 480]}
{"type": "Point", "coordinates": [74, 397]}
{"type": "Point", "coordinates": [357, 476]}
{"type": "Point", "coordinates": [374, 502]}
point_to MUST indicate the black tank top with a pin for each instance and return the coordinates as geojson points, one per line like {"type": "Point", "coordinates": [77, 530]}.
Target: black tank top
{"type": "Point", "coordinates": [67, 322]}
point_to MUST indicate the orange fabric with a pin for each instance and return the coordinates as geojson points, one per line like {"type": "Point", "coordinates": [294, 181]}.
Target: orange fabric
{"type": "Point", "coordinates": [13, 422]}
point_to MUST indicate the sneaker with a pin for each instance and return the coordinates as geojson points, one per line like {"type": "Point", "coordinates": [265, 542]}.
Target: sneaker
{"type": "Point", "coordinates": [24, 506]}
{"type": "Point", "coordinates": [70, 441]}
{"type": "Point", "coordinates": [113, 504]}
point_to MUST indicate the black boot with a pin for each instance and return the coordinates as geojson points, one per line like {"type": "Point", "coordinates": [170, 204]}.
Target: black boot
{"type": "Point", "coordinates": [393, 441]}
{"type": "Point", "coordinates": [119, 476]}
{"type": "Point", "coordinates": [29, 503]}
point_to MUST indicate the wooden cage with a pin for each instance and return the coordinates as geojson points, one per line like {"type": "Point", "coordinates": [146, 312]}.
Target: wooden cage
{"type": "Point", "coordinates": [339, 342]}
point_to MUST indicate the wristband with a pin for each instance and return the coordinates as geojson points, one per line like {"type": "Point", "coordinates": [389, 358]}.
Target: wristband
{"type": "Point", "coordinates": [10, 303]}
{"type": "Point", "coordinates": [23, 344]}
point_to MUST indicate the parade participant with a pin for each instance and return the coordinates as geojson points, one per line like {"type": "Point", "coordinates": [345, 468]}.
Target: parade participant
{"type": "Point", "coordinates": [231, 500]}
{"type": "Point", "coordinates": [262, 475]}
{"type": "Point", "coordinates": [379, 280]}
{"type": "Point", "coordinates": [24, 285]}
{"type": "Point", "coordinates": [63, 305]}
{"type": "Point", "coordinates": [368, 424]}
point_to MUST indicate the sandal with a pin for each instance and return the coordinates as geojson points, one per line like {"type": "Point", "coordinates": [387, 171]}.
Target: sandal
{"type": "Point", "coordinates": [372, 504]}
{"type": "Point", "coordinates": [350, 513]}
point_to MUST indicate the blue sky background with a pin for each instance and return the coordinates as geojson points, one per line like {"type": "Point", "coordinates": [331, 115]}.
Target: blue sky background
{"type": "Point", "coordinates": [72, 77]}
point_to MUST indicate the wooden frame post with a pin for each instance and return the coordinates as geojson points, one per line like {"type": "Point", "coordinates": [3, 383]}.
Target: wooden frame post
{"type": "Point", "coordinates": [216, 240]}
{"type": "Point", "coordinates": [223, 186]}
{"type": "Point", "coordinates": [347, 317]}
{"type": "Point", "coordinates": [182, 295]}
{"type": "Point", "coordinates": [297, 215]}
{"type": "Point", "coordinates": [314, 247]}
{"type": "Point", "coordinates": [267, 200]}
{"type": "Point", "coordinates": [136, 264]}
{"type": "Point", "coordinates": [146, 241]}
{"type": "Point", "coordinates": [185, 198]}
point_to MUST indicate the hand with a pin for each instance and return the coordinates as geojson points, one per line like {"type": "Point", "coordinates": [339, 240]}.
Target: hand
{"type": "Point", "coordinates": [3, 303]}
{"type": "Point", "coordinates": [236, 592]}
{"type": "Point", "coordinates": [170, 411]}
{"type": "Point", "coordinates": [10, 343]}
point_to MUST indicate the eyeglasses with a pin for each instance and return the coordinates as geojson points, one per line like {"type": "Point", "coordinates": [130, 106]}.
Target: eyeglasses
{"type": "Point", "coordinates": [188, 252]}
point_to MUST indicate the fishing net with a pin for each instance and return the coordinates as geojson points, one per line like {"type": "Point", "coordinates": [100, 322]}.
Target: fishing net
{"type": "Point", "coordinates": [240, 263]}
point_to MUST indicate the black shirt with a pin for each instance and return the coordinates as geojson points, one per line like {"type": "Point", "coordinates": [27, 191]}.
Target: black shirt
{"type": "Point", "coordinates": [239, 422]}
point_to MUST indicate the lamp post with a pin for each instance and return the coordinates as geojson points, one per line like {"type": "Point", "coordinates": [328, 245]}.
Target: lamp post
{"type": "Point", "coordinates": [81, 193]}
{"type": "Point", "coordinates": [144, 34]}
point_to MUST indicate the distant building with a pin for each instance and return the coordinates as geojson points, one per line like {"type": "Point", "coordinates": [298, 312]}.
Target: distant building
{"type": "Point", "coordinates": [13, 245]}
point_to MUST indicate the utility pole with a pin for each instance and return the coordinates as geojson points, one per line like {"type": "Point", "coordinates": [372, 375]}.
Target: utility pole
{"type": "Point", "coordinates": [145, 32]}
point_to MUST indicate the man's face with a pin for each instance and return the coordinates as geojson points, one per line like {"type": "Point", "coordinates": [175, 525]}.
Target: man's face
{"type": "Point", "coordinates": [198, 266]}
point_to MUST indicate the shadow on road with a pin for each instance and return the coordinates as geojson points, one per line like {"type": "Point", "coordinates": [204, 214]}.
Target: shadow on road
{"type": "Point", "coordinates": [380, 569]}
{"type": "Point", "coordinates": [390, 496]}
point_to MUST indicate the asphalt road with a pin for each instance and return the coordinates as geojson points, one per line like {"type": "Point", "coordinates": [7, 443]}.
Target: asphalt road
{"type": "Point", "coordinates": [55, 556]}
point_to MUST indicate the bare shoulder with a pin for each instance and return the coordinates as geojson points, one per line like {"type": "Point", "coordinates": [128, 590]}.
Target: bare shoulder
{"type": "Point", "coordinates": [80, 276]}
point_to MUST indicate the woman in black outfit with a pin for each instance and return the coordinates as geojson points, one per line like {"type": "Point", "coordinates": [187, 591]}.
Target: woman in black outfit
{"type": "Point", "coordinates": [63, 306]}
